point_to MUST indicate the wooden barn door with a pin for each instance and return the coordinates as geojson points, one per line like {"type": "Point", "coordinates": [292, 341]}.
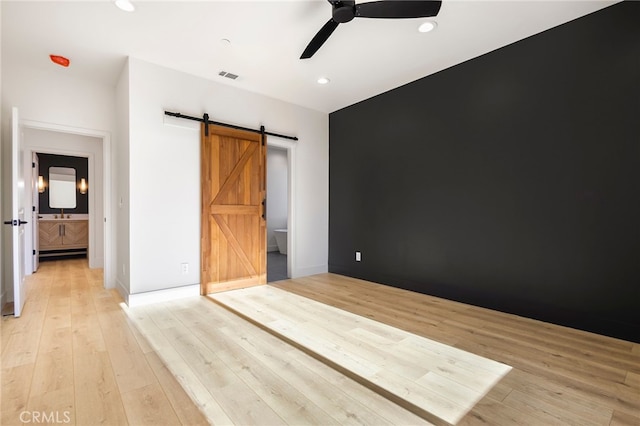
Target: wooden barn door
{"type": "Point", "coordinates": [233, 220]}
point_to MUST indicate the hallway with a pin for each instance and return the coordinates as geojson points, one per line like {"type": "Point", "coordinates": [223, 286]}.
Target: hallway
{"type": "Point", "coordinates": [73, 358]}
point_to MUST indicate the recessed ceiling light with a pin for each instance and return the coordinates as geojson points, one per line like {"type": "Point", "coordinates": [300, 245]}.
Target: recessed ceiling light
{"type": "Point", "coordinates": [125, 5]}
{"type": "Point", "coordinates": [425, 27]}
{"type": "Point", "coordinates": [225, 42]}
{"type": "Point", "coordinates": [323, 80]}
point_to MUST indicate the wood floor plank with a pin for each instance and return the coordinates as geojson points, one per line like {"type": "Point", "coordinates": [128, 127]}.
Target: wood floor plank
{"type": "Point", "coordinates": [489, 412]}
{"type": "Point", "coordinates": [128, 361]}
{"type": "Point", "coordinates": [311, 382]}
{"type": "Point", "coordinates": [570, 398]}
{"type": "Point", "coordinates": [22, 346]}
{"type": "Point", "coordinates": [623, 419]}
{"type": "Point", "coordinates": [182, 405]}
{"type": "Point", "coordinates": [98, 399]}
{"type": "Point", "coordinates": [291, 404]}
{"type": "Point", "coordinates": [148, 406]}
{"type": "Point", "coordinates": [53, 407]}
{"type": "Point", "coordinates": [14, 392]}
{"type": "Point", "coordinates": [87, 335]}
{"type": "Point", "coordinates": [53, 371]}
{"type": "Point", "coordinates": [174, 362]}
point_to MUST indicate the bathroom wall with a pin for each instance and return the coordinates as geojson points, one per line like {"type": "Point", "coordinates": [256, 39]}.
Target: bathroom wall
{"type": "Point", "coordinates": [80, 164]}
{"type": "Point", "coordinates": [277, 193]}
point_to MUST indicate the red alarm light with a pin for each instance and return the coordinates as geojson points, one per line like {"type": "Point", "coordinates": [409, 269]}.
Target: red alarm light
{"type": "Point", "coordinates": [60, 60]}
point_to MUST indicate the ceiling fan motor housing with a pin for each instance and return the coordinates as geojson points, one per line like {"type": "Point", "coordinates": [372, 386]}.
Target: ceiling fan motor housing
{"type": "Point", "coordinates": [343, 11]}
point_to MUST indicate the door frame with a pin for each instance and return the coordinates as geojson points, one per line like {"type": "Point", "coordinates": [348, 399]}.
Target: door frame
{"type": "Point", "coordinates": [35, 214]}
{"type": "Point", "coordinates": [18, 214]}
{"type": "Point", "coordinates": [290, 148]}
{"type": "Point", "coordinates": [105, 137]}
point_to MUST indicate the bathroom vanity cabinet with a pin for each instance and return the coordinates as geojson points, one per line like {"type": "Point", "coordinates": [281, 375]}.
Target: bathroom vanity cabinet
{"type": "Point", "coordinates": [60, 235]}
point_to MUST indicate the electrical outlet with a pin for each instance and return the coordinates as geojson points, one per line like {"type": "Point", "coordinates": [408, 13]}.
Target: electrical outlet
{"type": "Point", "coordinates": [358, 256]}
{"type": "Point", "coordinates": [185, 268]}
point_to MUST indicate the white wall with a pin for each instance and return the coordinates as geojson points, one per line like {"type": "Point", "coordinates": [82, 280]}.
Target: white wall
{"type": "Point", "coordinates": [277, 193]}
{"type": "Point", "coordinates": [155, 166]}
{"type": "Point", "coordinates": [121, 172]}
{"type": "Point", "coordinates": [164, 172]}
{"type": "Point", "coordinates": [45, 141]}
{"type": "Point", "coordinates": [48, 95]}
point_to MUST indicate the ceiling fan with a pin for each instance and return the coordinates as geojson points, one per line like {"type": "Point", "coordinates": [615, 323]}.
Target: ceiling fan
{"type": "Point", "coordinates": [345, 10]}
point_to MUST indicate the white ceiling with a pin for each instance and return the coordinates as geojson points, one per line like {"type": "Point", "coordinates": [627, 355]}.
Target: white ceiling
{"type": "Point", "coordinates": [362, 58]}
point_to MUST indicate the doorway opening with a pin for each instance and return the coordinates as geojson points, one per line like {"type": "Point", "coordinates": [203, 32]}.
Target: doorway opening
{"type": "Point", "coordinates": [277, 213]}
{"type": "Point", "coordinates": [61, 206]}
{"type": "Point", "coordinates": [95, 147]}
{"type": "Point", "coordinates": [280, 229]}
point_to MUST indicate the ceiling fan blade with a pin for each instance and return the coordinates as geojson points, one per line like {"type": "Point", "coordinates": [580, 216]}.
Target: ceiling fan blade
{"type": "Point", "coordinates": [318, 40]}
{"type": "Point", "coordinates": [398, 9]}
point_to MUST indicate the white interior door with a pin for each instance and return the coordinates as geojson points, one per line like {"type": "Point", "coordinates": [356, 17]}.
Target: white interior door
{"type": "Point", "coordinates": [36, 209]}
{"type": "Point", "coordinates": [17, 214]}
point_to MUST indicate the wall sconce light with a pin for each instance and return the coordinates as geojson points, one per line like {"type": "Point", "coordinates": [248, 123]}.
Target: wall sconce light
{"type": "Point", "coordinates": [40, 184]}
{"type": "Point", "coordinates": [83, 186]}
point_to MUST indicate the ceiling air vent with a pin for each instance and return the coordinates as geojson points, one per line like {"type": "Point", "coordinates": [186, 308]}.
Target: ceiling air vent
{"type": "Point", "coordinates": [228, 75]}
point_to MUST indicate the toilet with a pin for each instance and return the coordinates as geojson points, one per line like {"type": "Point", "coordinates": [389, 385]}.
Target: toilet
{"type": "Point", "coordinates": [281, 239]}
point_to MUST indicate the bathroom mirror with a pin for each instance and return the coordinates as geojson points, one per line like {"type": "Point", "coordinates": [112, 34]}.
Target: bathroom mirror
{"type": "Point", "coordinates": [62, 188]}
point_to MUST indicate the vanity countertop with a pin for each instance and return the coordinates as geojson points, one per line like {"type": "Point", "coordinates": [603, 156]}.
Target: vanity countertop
{"type": "Point", "coordinates": [71, 216]}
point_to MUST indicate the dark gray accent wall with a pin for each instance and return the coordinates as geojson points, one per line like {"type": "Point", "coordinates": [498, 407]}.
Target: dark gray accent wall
{"type": "Point", "coordinates": [81, 164]}
{"type": "Point", "coordinates": [511, 181]}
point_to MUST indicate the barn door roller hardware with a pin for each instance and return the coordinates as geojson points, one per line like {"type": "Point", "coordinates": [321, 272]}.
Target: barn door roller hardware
{"type": "Point", "coordinates": [206, 121]}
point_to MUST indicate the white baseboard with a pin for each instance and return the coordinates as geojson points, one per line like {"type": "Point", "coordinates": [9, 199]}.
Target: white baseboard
{"type": "Point", "coordinates": [310, 270]}
{"type": "Point", "coordinates": [272, 248]}
{"type": "Point", "coordinates": [123, 291]}
{"type": "Point", "coordinates": [165, 295]}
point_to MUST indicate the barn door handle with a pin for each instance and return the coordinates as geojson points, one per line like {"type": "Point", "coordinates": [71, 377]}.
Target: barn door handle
{"type": "Point", "coordinates": [264, 210]}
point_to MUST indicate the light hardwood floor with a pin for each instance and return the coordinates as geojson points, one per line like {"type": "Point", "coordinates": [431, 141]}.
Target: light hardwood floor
{"type": "Point", "coordinates": [76, 349]}
{"type": "Point", "coordinates": [437, 382]}
{"type": "Point", "coordinates": [240, 374]}
{"type": "Point", "coordinates": [74, 358]}
{"type": "Point", "coordinates": [560, 376]}
{"type": "Point", "coordinates": [78, 353]}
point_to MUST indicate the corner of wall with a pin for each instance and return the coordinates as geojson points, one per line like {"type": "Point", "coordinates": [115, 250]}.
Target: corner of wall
{"type": "Point", "coordinates": [309, 270]}
{"type": "Point", "coordinates": [123, 291]}
{"type": "Point", "coordinates": [121, 176]}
